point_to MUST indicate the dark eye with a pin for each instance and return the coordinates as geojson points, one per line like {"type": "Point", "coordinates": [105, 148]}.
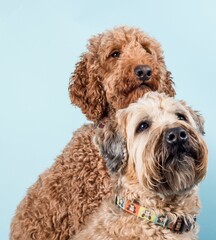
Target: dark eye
{"type": "Point", "coordinates": [181, 117]}
{"type": "Point", "coordinates": [115, 54]}
{"type": "Point", "coordinates": [142, 126]}
{"type": "Point", "coordinates": [148, 50]}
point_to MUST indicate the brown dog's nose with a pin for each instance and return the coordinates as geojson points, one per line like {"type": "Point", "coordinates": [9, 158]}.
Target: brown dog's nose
{"type": "Point", "coordinates": [143, 72]}
{"type": "Point", "coordinates": [176, 135]}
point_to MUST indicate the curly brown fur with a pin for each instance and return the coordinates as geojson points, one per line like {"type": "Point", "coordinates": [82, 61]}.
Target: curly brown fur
{"type": "Point", "coordinates": [154, 175]}
{"type": "Point", "coordinates": [103, 83]}
{"type": "Point", "coordinates": [66, 194]}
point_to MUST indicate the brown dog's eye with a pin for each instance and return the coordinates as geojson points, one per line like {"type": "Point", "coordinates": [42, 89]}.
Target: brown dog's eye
{"type": "Point", "coordinates": [181, 117]}
{"type": "Point", "coordinates": [115, 54]}
{"type": "Point", "coordinates": [148, 50]}
{"type": "Point", "coordinates": [142, 126]}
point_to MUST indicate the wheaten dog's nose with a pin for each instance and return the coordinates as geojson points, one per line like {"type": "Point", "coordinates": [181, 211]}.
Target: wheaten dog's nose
{"type": "Point", "coordinates": [176, 135]}
{"type": "Point", "coordinates": [143, 72]}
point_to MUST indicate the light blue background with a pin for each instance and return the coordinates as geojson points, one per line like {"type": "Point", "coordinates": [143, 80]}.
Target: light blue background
{"type": "Point", "coordinates": [40, 42]}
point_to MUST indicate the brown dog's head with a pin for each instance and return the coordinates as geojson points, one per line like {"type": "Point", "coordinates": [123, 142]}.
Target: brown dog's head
{"type": "Point", "coordinates": [156, 143]}
{"type": "Point", "coordinates": [119, 67]}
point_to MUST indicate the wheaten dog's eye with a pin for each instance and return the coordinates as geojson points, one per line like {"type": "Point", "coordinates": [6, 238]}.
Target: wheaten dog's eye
{"type": "Point", "coordinates": [115, 54]}
{"type": "Point", "coordinates": [181, 117]}
{"type": "Point", "coordinates": [142, 126]}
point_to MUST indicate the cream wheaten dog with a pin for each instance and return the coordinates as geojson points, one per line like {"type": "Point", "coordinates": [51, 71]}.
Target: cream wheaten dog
{"type": "Point", "coordinates": [156, 156]}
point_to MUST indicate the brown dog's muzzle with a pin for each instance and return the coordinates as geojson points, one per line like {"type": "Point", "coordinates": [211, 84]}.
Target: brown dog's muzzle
{"type": "Point", "coordinates": [143, 72]}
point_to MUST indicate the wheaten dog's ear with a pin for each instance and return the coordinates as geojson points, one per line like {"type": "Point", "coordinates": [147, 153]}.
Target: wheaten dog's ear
{"type": "Point", "coordinates": [198, 118]}
{"type": "Point", "coordinates": [112, 147]}
{"type": "Point", "coordinates": [86, 90]}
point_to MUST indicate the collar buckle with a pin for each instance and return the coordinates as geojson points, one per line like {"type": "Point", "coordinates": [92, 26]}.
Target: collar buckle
{"type": "Point", "coordinates": [182, 225]}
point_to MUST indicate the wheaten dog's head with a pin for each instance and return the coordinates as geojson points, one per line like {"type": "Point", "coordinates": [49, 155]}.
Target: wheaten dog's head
{"type": "Point", "coordinates": [120, 66]}
{"type": "Point", "coordinates": [156, 143]}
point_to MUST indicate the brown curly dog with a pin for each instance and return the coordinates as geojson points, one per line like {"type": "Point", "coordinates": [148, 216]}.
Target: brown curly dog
{"type": "Point", "coordinates": [120, 66]}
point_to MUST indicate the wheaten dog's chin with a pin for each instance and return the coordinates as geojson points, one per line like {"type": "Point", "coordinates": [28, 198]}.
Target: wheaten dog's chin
{"type": "Point", "coordinates": [180, 172]}
{"type": "Point", "coordinates": [178, 176]}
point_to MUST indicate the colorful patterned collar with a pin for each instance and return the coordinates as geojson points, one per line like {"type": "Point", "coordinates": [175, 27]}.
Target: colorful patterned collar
{"type": "Point", "coordinates": [179, 226]}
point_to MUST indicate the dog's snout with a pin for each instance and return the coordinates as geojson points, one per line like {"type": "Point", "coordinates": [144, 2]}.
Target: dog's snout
{"type": "Point", "coordinates": [143, 72]}
{"type": "Point", "coordinates": [176, 135]}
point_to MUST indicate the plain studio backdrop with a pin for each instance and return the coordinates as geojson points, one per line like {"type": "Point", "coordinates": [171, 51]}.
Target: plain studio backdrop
{"type": "Point", "coordinates": [40, 42]}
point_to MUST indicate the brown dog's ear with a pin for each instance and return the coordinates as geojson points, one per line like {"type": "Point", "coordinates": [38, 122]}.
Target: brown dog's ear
{"type": "Point", "coordinates": [198, 118]}
{"type": "Point", "coordinates": [86, 90]}
{"type": "Point", "coordinates": [112, 147]}
{"type": "Point", "coordinates": [167, 85]}
{"type": "Point", "coordinates": [169, 89]}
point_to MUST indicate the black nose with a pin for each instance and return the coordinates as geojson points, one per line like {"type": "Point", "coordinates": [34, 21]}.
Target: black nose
{"type": "Point", "coordinates": [176, 135]}
{"type": "Point", "coordinates": [143, 72]}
